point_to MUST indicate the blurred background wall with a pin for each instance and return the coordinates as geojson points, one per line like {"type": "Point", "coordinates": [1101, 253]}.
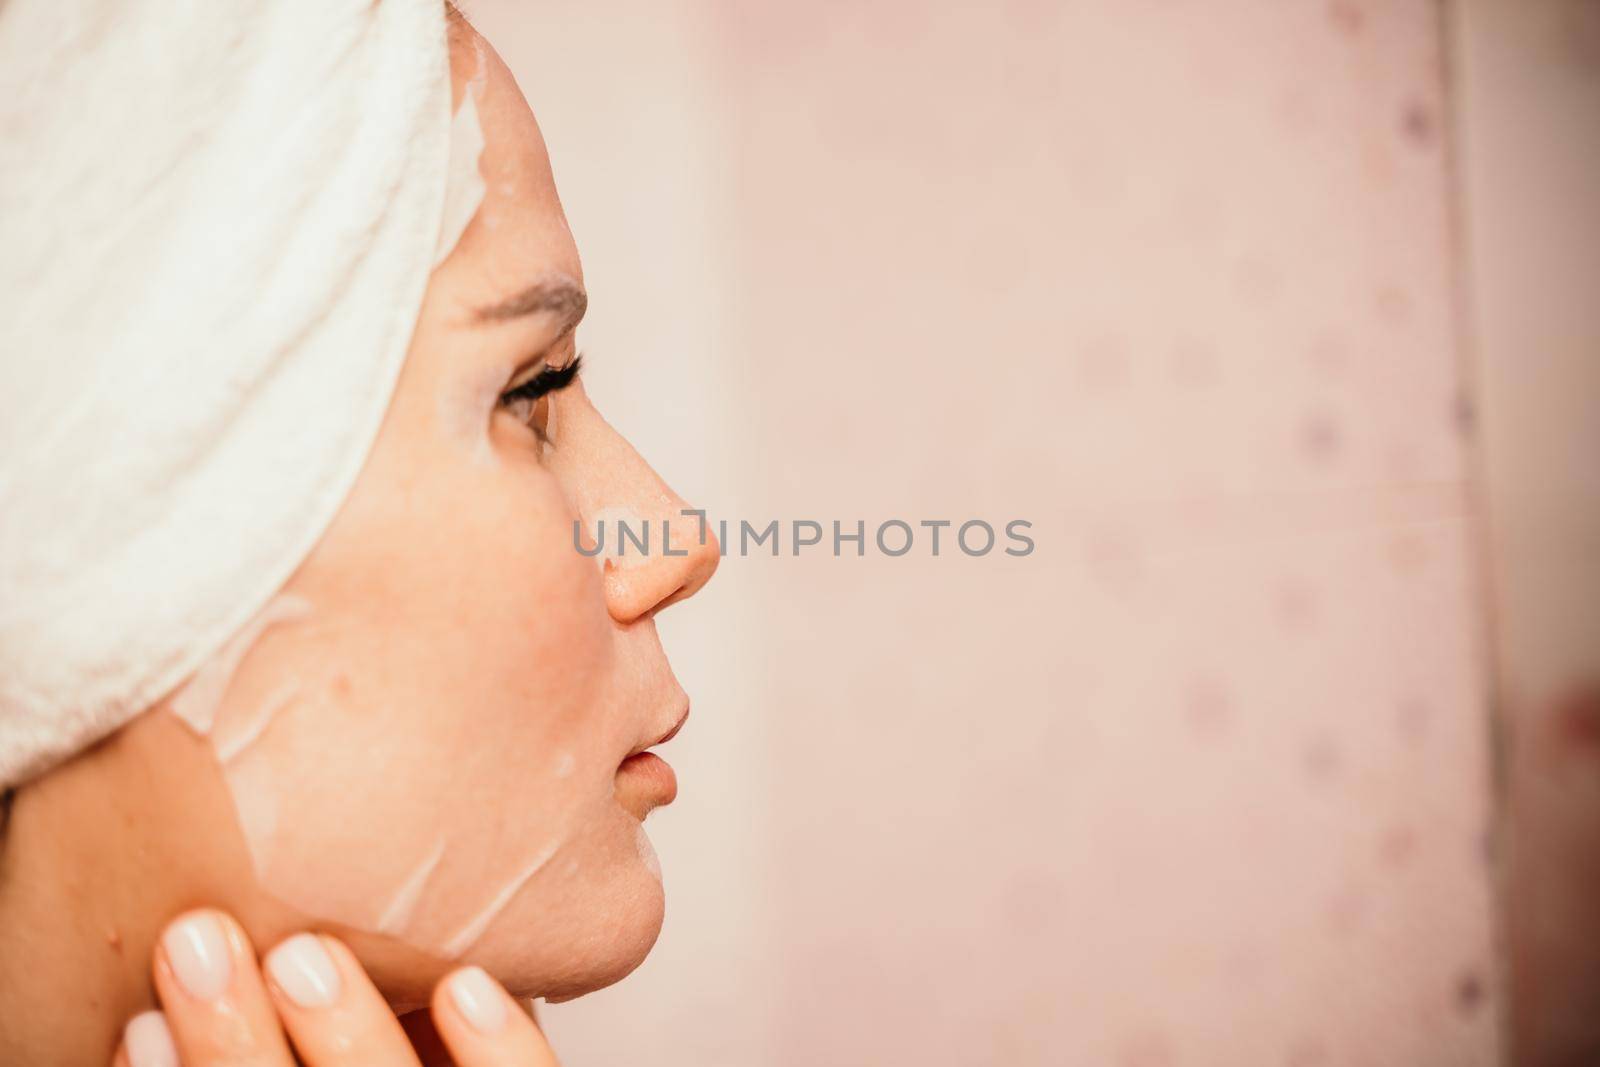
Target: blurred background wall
{"type": "Point", "coordinates": [1529, 92]}
{"type": "Point", "coordinates": [1195, 289]}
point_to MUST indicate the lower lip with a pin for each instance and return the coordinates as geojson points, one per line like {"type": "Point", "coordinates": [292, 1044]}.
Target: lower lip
{"type": "Point", "coordinates": [651, 776]}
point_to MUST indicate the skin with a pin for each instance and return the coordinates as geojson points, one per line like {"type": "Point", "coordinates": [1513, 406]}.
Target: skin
{"type": "Point", "coordinates": [466, 680]}
{"type": "Point", "coordinates": [253, 1018]}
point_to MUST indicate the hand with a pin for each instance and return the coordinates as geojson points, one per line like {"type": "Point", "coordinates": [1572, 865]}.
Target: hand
{"type": "Point", "coordinates": [220, 1010]}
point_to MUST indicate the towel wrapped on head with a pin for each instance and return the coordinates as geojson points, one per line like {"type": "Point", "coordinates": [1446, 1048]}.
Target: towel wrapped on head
{"type": "Point", "coordinates": [217, 222]}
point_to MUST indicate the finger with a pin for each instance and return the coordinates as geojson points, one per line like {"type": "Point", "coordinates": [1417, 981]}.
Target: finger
{"type": "Point", "coordinates": [334, 1014]}
{"type": "Point", "coordinates": [146, 1042]}
{"type": "Point", "coordinates": [483, 1026]}
{"type": "Point", "coordinates": [211, 992]}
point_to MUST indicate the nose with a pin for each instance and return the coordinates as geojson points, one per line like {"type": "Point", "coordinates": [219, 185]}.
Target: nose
{"type": "Point", "coordinates": [670, 551]}
{"type": "Point", "coordinates": [660, 579]}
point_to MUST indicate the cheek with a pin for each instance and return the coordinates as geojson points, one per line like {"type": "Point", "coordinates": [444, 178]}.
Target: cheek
{"type": "Point", "coordinates": [430, 735]}
{"type": "Point", "coordinates": [477, 602]}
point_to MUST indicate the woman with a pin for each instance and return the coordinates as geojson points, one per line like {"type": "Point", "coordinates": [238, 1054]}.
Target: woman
{"type": "Point", "coordinates": [429, 740]}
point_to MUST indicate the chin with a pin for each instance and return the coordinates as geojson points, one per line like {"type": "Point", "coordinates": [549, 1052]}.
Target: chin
{"type": "Point", "coordinates": [596, 944]}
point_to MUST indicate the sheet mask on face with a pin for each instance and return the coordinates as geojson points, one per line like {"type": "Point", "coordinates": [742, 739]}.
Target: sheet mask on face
{"type": "Point", "coordinates": [197, 703]}
{"type": "Point", "coordinates": [465, 187]}
{"type": "Point", "coordinates": [259, 727]}
{"type": "Point", "coordinates": [464, 194]}
{"type": "Point", "coordinates": [266, 771]}
{"type": "Point", "coordinates": [647, 853]}
{"type": "Point", "coordinates": [426, 755]}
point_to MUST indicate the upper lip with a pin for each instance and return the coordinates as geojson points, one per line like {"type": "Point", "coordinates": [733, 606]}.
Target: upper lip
{"type": "Point", "coordinates": [664, 738]}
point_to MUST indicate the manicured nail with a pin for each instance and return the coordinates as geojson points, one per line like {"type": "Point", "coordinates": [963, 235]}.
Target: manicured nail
{"type": "Point", "coordinates": [197, 948]}
{"type": "Point", "coordinates": [479, 1000]}
{"type": "Point", "coordinates": [304, 970]}
{"type": "Point", "coordinates": [149, 1042]}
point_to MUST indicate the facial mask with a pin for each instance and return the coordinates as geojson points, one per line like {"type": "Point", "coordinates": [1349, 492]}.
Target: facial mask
{"type": "Point", "coordinates": [464, 195]}
{"type": "Point", "coordinates": [257, 732]}
{"type": "Point", "coordinates": [396, 918]}
{"type": "Point", "coordinates": [647, 853]}
{"type": "Point", "coordinates": [197, 703]}
{"type": "Point", "coordinates": [465, 189]}
{"type": "Point", "coordinates": [277, 795]}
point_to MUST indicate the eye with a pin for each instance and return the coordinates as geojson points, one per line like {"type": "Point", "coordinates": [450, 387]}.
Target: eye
{"type": "Point", "coordinates": [524, 402]}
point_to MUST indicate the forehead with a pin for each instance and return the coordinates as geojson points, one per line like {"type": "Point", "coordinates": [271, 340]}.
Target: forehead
{"type": "Point", "coordinates": [519, 233]}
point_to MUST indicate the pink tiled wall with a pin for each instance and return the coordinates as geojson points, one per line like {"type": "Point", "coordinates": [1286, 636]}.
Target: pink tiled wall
{"type": "Point", "coordinates": [1204, 779]}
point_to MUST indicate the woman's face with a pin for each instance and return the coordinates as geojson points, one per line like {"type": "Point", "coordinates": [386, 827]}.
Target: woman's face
{"type": "Point", "coordinates": [449, 706]}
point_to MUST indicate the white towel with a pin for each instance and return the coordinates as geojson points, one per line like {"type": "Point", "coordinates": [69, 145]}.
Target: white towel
{"type": "Point", "coordinates": [217, 220]}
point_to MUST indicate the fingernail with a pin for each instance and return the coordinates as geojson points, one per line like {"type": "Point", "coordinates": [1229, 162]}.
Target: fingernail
{"type": "Point", "coordinates": [149, 1042]}
{"type": "Point", "coordinates": [479, 1000]}
{"type": "Point", "coordinates": [304, 970]}
{"type": "Point", "coordinates": [198, 951]}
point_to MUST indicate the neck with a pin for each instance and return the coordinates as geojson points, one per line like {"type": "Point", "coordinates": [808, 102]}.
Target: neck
{"type": "Point", "coordinates": [96, 857]}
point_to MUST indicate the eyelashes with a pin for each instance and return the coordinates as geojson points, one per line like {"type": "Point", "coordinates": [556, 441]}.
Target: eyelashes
{"type": "Point", "coordinates": [523, 401]}
{"type": "Point", "coordinates": [547, 381]}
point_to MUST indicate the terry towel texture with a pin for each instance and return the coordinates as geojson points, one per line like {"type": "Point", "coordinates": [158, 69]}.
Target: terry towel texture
{"type": "Point", "coordinates": [217, 221]}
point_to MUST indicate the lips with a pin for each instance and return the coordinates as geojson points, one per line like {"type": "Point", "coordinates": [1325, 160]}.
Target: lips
{"type": "Point", "coordinates": [670, 734]}
{"type": "Point", "coordinates": [644, 780]}
{"type": "Point", "coordinates": [664, 738]}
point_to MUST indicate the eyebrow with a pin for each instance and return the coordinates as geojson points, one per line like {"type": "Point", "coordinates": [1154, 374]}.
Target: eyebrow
{"type": "Point", "coordinates": [559, 297]}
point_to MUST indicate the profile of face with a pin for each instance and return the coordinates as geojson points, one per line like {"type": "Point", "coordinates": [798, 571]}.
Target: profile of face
{"type": "Point", "coordinates": [426, 739]}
